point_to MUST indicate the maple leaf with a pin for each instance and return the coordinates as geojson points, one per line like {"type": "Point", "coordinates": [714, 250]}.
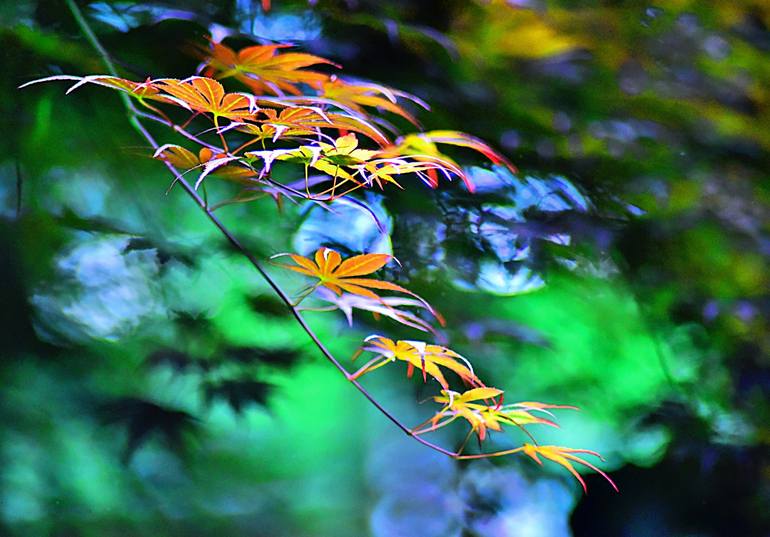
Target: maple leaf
{"type": "Point", "coordinates": [565, 457]}
{"type": "Point", "coordinates": [459, 405]}
{"type": "Point", "coordinates": [484, 416]}
{"type": "Point", "coordinates": [333, 158]}
{"type": "Point", "coordinates": [263, 69]}
{"type": "Point", "coordinates": [344, 162]}
{"type": "Point", "coordinates": [308, 121]}
{"type": "Point", "coordinates": [462, 139]}
{"type": "Point", "coordinates": [338, 275]}
{"type": "Point", "coordinates": [181, 157]}
{"type": "Point", "coordinates": [422, 147]}
{"type": "Point", "coordinates": [427, 168]}
{"type": "Point", "coordinates": [355, 96]}
{"type": "Point", "coordinates": [340, 161]}
{"type": "Point", "coordinates": [211, 163]}
{"type": "Point", "coordinates": [206, 95]}
{"type": "Point", "coordinates": [417, 354]}
{"type": "Point", "coordinates": [386, 306]}
{"type": "Point", "coordinates": [142, 91]}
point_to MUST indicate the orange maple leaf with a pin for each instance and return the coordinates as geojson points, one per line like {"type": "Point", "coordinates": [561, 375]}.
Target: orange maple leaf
{"type": "Point", "coordinates": [355, 96]}
{"type": "Point", "coordinates": [307, 120]}
{"type": "Point", "coordinates": [338, 275]}
{"type": "Point", "coordinates": [202, 94]}
{"type": "Point", "coordinates": [263, 69]}
{"type": "Point", "coordinates": [211, 163]}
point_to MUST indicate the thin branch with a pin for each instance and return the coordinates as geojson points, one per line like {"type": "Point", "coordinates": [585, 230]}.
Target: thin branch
{"type": "Point", "coordinates": [234, 242]}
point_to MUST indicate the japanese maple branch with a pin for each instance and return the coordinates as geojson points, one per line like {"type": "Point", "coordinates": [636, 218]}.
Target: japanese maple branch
{"type": "Point", "coordinates": [134, 115]}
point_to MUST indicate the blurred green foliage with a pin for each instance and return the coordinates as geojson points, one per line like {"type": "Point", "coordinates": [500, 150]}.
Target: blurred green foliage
{"type": "Point", "coordinates": [152, 384]}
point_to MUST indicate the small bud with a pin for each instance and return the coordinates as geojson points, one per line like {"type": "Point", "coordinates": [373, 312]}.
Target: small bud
{"type": "Point", "coordinates": [205, 154]}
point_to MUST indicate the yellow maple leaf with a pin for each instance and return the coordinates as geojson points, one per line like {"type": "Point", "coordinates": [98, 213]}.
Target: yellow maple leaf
{"type": "Point", "coordinates": [426, 357]}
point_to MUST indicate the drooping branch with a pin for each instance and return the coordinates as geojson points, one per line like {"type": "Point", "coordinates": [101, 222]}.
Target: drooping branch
{"type": "Point", "coordinates": [134, 118]}
{"type": "Point", "coordinates": [392, 160]}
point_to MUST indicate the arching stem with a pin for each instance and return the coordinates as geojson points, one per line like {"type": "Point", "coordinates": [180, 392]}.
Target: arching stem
{"type": "Point", "coordinates": [134, 116]}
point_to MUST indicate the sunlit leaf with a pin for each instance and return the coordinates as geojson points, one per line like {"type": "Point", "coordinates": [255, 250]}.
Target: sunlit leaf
{"type": "Point", "coordinates": [147, 90]}
{"type": "Point", "coordinates": [391, 307]}
{"type": "Point", "coordinates": [263, 68]}
{"type": "Point", "coordinates": [207, 161]}
{"type": "Point", "coordinates": [345, 162]}
{"type": "Point", "coordinates": [478, 408]}
{"type": "Point", "coordinates": [566, 457]}
{"type": "Point", "coordinates": [341, 161]}
{"type": "Point", "coordinates": [338, 275]}
{"type": "Point", "coordinates": [308, 121]}
{"type": "Point", "coordinates": [459, 139]}
{"type": "Point", "coordinates": [422, 147]}
{"type": "Point", "coordinates": [357, 96]}
{"type": "Point", "coordinates": [201, 94]}
{"type": "Point", "coordinates": [426, 357]}
{"type": "Point", "coordinates": [178, 156]}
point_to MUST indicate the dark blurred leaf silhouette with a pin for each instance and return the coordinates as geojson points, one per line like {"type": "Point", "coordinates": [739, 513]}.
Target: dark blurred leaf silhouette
{"type": "Point", "coordinates": [144, 420]}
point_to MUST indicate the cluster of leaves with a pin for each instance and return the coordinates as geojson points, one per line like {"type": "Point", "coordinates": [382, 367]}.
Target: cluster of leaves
{"type": "Point", "coordinates": [333, 130]}
{"type": "Point", "coordinates": [318, 129]}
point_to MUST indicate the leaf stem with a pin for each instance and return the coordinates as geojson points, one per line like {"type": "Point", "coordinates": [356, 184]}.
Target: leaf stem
{"type": "Point", "coordinates": [487, 455]}
{"type": "Point", "coordinates": [220, 133]}
{"type": "Point", "coordinates": [177, 128]}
